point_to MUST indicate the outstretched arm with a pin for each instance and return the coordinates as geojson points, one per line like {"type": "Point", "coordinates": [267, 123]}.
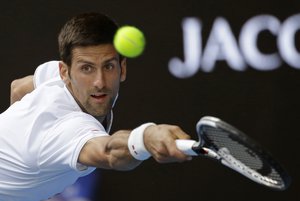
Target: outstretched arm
{"type": "Point", "coordinates": [112, 152]}
{"type": "Point", "coordinates": [20, 87]}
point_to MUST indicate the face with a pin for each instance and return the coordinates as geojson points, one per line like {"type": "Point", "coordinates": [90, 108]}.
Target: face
{"type": "Point", "coordinates": [94, 77]}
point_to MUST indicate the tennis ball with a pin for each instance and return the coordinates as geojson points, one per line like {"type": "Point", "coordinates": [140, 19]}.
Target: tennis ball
{"type": "Point", "coordinates": [129, 41]}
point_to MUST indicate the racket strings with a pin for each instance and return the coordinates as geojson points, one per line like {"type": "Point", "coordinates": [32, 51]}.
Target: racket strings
{"type": "Point", "coordinates": [241, 150]}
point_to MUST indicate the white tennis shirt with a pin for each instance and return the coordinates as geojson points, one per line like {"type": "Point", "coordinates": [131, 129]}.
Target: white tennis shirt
{"type": "Point", "coordinates": [40, 140]}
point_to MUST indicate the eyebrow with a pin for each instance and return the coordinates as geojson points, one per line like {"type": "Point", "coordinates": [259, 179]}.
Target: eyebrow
{"type": "Point", "coordinates": [104, 62]}
{"type": "Point", "coordinates": [111, 59]}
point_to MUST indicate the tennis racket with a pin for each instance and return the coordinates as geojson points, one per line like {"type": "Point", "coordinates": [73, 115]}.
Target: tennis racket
{"type": "Point", "coordinates": [222, 142]}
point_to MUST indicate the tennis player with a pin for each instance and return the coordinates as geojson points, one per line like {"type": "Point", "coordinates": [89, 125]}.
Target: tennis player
{"type": "Point", "coordinates": [56, 129]}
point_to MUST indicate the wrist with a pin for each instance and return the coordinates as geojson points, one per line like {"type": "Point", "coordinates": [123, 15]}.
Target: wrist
{"type": "Point", "coordinates": [136, 144]}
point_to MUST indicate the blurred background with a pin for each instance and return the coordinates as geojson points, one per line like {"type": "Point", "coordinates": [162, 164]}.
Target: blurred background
{"type": "Point", "coordinates": [242, 65]}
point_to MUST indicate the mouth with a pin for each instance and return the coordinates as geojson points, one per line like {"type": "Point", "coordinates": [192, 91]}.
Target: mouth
{"type": "Point", "coordinates": [99, 97]}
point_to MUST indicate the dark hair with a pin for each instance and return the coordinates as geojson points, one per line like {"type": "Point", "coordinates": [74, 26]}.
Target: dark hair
{"type": "Point", "coordinates": [87, 29]}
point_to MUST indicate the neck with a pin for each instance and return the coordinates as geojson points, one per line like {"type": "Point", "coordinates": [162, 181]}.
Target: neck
{"type": "Point", "coordinates": [100, 119]}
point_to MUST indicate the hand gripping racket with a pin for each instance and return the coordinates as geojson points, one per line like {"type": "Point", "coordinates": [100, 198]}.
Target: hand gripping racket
{"type": "Point", "coordinates": [229, 146]}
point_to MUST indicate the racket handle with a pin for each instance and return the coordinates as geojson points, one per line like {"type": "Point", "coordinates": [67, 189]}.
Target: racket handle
{"type": "Point", "coordinates": [186, 147]}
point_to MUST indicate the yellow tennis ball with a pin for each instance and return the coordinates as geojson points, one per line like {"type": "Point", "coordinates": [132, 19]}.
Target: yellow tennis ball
{"type": "Point", "coordinates": [129, 41]}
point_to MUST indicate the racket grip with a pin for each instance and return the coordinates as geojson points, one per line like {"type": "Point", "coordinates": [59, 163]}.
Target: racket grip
{"type": "Point", "coordinates": [186, 147]}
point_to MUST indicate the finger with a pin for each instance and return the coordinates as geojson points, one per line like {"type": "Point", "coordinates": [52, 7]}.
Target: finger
{"type": "Point", "coordinates": [178, 133]}
{"type": "Point", "coordinates": [168, 152]}
{"type": "Point", "coordinates": [175, 153]}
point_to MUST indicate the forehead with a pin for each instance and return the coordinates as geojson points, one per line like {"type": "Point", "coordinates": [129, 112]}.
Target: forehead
{"type": "Point", "coordinates": [96, 53]}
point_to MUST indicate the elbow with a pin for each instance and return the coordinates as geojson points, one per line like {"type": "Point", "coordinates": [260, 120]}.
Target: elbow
{"type": "Point", "coordinates": [20, 87]}
{"type": "Point", "coordinates": [15, 92]}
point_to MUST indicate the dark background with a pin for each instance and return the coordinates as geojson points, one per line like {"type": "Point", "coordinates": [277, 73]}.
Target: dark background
{"type": "Point", "coordinates": [265, 105]}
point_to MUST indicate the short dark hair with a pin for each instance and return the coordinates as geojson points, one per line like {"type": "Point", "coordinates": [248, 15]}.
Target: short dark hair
{"type": "Point", "coordinates": [87, 29]}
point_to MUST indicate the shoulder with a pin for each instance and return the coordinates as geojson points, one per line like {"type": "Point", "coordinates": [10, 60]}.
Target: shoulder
{"type": "Point", "coordinates": [78, 123]}
{"type": "Point", "coordinates": [45, 72]}
{"type": "Point", "coordinates": [47, 67]}
{"type": "Point", "coordinates": [64, 141]}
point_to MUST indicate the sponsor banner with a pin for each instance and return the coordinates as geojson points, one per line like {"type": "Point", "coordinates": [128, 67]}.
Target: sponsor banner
{"type": "Point", "coordinates": [239, 53]}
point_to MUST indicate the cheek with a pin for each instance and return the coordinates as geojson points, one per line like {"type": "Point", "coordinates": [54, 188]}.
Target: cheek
{"type": "Point", "coordinates": [80, 81]}
{"type": "Point", "coordinates": [79, 87]}
{"type": "Point", "coordinates": [115, 84]}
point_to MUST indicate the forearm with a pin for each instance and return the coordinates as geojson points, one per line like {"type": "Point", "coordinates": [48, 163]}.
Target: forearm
{"type": "Point", "coordinates": [109, 152]}
{"type": "Point", "coordinates": [118, 152]}
{"type": "Point", "coordinates": [148, 140]}
{"type": "Point", "coordinates": [125, 150]}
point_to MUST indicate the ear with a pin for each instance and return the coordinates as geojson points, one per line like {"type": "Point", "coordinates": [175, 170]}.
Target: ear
{"type": "Point", "coordinates": [64, 72]}
{"type": "Point", "coordinates": [123, 70]}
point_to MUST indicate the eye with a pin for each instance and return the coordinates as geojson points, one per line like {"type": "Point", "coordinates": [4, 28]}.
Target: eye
{"type": "Point", "coordinates": [109, 66]}
{"type": "Point", "coordinates": [86, 68]}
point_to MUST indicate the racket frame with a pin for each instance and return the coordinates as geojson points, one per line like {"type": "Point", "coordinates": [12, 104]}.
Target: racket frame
{"type": "Point", "coordinates": [223, 156]}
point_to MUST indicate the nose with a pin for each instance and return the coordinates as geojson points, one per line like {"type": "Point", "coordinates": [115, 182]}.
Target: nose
{"type": "Point", "coordinates": [99, 80]}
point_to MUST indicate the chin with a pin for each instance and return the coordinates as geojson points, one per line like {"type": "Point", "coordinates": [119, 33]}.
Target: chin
{"type": "Point", "coordinates": [99, 113]}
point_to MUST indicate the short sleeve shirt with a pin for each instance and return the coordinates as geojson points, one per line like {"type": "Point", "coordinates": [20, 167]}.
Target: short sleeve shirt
{"type": "Point", "coordinates": [41, 137]}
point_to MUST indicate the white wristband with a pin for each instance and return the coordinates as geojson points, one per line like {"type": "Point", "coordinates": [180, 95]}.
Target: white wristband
{"type": "Point", "coordinates": [136, 144]}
